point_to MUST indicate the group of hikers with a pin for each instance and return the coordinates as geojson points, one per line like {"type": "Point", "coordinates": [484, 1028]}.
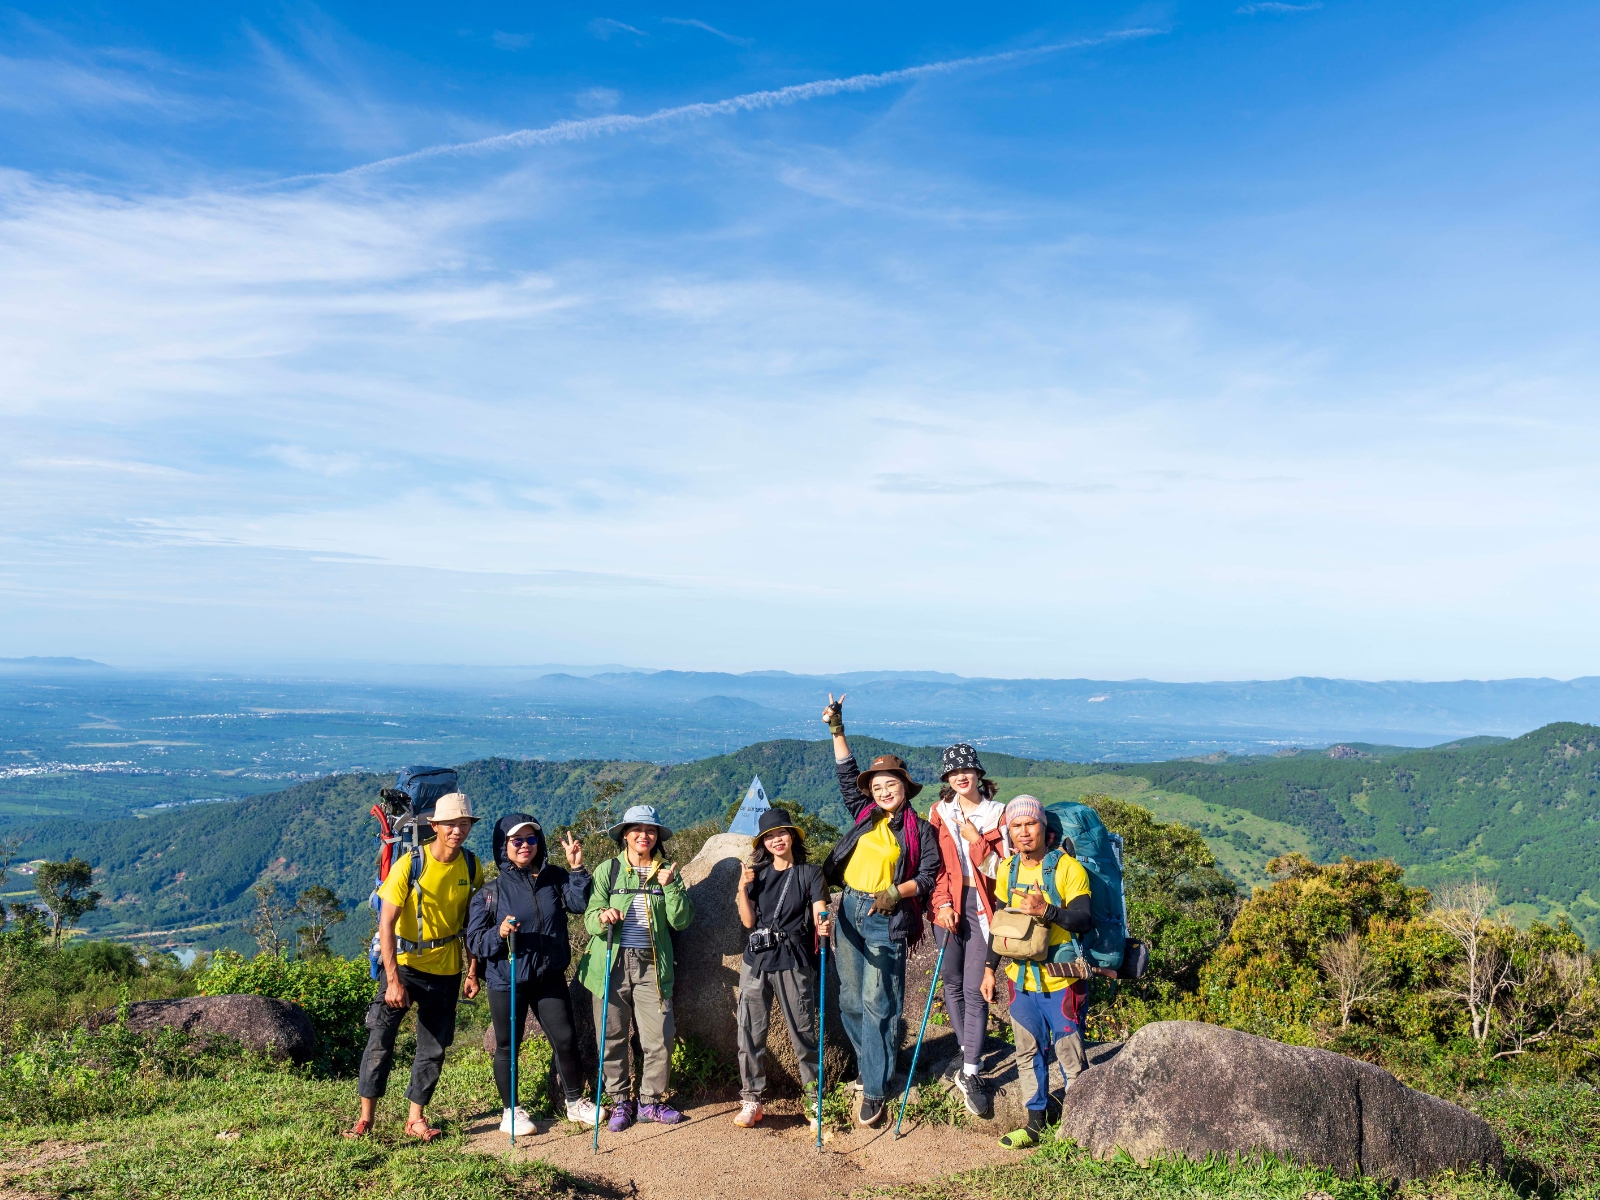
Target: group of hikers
{"type": "Point", "coordinates": [968, 868]}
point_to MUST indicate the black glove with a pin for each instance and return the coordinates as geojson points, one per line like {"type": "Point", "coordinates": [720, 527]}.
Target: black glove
{"type": "Point", "coordinates": [886, 901]}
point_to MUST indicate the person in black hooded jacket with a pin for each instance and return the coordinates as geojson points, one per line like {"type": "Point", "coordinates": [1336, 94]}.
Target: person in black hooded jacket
{"type": "Point", "coordinates": [533, 895]}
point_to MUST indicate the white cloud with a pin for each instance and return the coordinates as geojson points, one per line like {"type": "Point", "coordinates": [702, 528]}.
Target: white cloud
{"type": "Point", "coordinates": [692, 23]}
{"type": "Point", "coordinates": [605, 29]}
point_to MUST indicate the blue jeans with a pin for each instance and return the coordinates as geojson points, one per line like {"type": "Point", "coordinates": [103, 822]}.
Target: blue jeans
{"type": "Point", "coordinates": [872, 988]}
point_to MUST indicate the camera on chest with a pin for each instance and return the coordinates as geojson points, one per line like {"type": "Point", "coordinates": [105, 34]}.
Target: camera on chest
{"type": "Point", "coordinates": [764, 939]}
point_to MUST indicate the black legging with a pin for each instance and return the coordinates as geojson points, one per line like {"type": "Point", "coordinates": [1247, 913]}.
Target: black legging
{"type": "Point", "coordinates": [554, 1010]}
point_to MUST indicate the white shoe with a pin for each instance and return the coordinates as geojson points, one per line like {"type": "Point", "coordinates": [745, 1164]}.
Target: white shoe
{"type": "Point", "coordinates": [749, 1114]}
{"type": "Point", "coordinates": [583, 1112]}
{"type": "Point", "coordinates": [524, 1123]}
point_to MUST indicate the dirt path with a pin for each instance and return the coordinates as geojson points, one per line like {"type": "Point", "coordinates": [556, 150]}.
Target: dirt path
{"type": "Point", "coordinates": [708, 1158]}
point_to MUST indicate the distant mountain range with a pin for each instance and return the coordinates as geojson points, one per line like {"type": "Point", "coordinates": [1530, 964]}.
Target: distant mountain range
{"type": "Point", "coordinates": [1522, 813]}
{"type": "Point", "coordinates": [1099, 719]}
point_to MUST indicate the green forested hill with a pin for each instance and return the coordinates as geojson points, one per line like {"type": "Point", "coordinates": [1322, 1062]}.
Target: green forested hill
{"type": "Point", "coordinates": [192, 869]}
{"type": "Point", "coordinates": [1523, 813]}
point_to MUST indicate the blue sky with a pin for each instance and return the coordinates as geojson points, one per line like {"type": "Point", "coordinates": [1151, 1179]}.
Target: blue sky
{"type": "Point", "coordinates": [1179, 340]}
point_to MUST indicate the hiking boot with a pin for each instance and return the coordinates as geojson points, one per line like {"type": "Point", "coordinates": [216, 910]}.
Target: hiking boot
{"type": "Point", "coordinates": [660, 1113]}
{"type": "Point", "coordinates": [516, 1120]}
{"type": "Point", "coordinates": [975, 1095]}
{"type": "Point", "coordinates": [749, 1114]}
{"type": "Point", "coordinates": [870, 1112]}
{"type": "Point", "coordinates": [622, 1116]}
{"type": "Point", "coordinates": [582, 1111]}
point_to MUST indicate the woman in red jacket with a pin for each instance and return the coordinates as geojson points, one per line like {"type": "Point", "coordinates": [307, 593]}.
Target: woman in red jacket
{"type": "Point", "coordinates": [972, 841]}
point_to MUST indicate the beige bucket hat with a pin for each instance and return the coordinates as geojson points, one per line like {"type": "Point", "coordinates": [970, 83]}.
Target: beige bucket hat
{"type": "Point", "coordinates": [455, 806]}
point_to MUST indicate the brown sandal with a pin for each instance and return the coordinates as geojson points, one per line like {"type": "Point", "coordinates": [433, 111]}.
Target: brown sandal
{"type": "Point", "coordinates": [360, 1129]}
{"type": "Point", "coordinates": [422, 1131]}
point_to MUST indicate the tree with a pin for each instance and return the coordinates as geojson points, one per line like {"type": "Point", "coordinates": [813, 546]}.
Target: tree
{"type": "Point", "coordinates": [265, 923]}
{"type": "Point", "coordinates": [8, 851]}
{"type": "Point", "coordinates": [1356, 976]}
{"type": "Point", "coordinates": [64, 889]}
{"type": "Point", "coordinates": [322, 910]}
{"type": "Point", "coordinates": [1485, 971]}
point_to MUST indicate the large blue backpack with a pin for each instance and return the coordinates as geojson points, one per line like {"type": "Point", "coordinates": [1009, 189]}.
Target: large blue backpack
{"type": "Point", "coordinates": [1078, 829]}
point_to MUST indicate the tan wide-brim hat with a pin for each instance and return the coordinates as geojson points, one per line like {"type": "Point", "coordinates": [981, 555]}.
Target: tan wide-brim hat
{"type": "Point", "coordinates": [453, 807]}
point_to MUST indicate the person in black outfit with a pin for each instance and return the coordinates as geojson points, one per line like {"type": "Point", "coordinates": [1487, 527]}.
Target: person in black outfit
{"type": "Point", "coordinates": [533, 896]}
{"type": "Point", "coordinates": [781, 899]}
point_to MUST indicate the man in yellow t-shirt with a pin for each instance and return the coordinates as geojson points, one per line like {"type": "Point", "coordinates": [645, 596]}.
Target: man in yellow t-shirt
{"type": "Point", "coordinates": [1048, 1000]}
{"type": "Point", "coordinates": [419, 939]}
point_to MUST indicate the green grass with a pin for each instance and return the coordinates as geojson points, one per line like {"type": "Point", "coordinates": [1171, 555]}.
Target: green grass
{"type": "Point", "coordinates": [1551, 1133]}
{"type": "Point", "coordinates": [287, 1144]}
{"type": "Point", "coordinates": [1242, 841]}
{"type": "Point", "coordinates": [1062, 1169]}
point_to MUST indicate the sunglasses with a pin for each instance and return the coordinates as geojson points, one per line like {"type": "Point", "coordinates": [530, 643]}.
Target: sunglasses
{"type": "Point", "coordinates": [523, 841]}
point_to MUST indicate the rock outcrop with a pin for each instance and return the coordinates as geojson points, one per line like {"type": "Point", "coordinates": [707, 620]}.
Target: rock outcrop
{"type": "Point", "coordinates": [276, 1027]}
{"type": "Point", "coordinates": [1196, 1089]}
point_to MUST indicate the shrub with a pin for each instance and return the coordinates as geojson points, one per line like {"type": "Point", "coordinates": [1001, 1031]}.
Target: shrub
{"type": "Point", "coordinates": [334, 992]}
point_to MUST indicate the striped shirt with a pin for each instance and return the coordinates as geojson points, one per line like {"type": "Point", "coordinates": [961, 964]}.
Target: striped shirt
{"type": "Point", "coordinates": [636, 924]}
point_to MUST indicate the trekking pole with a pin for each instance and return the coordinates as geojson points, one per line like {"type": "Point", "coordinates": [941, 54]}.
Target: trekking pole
{"type": "Point", "coordinates": [926, 1009]}
{"type": "Point", "coordinates": [605, 1009]}
{"type": "Point", "coordinates": [511, 942]}
{"type": "Point", "coordinates": [822, 1023]}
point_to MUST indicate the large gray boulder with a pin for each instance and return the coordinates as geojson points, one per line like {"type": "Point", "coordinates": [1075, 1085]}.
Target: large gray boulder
{"type": "Point", "coordinates": [276, 1027]}
{"type": "Point", "coordinates": [1196, 1089]}
{"type": "Point", "coordinates": [706, 972]}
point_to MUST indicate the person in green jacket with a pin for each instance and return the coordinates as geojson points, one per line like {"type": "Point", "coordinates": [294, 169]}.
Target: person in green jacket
{"type": "Point", "coordinates": [638, 901]}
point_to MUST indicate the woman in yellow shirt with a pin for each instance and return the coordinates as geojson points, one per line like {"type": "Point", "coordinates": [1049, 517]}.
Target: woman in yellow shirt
{"type": "Point", "coordinates": [888, 862]}
{"type": "Point", "coordinates": [1048, 1000]}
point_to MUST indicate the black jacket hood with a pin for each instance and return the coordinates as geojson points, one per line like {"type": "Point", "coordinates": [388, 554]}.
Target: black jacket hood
{"type": "Point", "coordinates": [502, 830]}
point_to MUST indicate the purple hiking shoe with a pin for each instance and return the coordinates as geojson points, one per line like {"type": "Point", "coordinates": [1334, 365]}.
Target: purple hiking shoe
{"type": "Point", "coordinates": [661, 1114]}
{"type": "Point", "coordinates": [621, 1116]}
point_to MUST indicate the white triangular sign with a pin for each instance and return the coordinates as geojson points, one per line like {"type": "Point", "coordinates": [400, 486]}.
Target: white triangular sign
{"type": "Point", "coordinates": [748, 819]}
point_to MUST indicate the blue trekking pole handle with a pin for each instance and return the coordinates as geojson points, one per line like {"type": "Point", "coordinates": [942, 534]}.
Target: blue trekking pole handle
{"type": "Point", "coordinates": [926, 1009]}
{"type": "Point", "coordinates": [511, 943]}
{"type": "Point", "coordinates": [822, 1023]}
{"type": "Point", "coordinates": [605, 1013]}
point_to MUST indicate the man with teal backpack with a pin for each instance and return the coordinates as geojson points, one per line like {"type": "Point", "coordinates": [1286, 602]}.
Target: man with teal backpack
{"type": "Point", "coordinates": [1047, 897]}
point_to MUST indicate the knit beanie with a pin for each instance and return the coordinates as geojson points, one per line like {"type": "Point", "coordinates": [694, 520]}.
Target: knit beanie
{"type": "Point", "coordinates": [1025, 806]}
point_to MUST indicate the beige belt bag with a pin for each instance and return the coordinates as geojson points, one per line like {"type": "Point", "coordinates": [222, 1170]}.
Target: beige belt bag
{"type": "Point", "coordinates": [1016, 935]}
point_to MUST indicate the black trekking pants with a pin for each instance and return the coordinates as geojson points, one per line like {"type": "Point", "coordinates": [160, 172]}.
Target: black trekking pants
{"type": "Point", "coordinates": [435, 999]}
{"type": "Point", "coordinates": [547, 996]}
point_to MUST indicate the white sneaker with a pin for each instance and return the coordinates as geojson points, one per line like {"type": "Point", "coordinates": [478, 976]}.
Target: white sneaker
{"type": "Point", "coordinates": [583, 1112]}
{"type": "Point", "coordinates": [749, 1114]}
{"type": "Point", "coordinates": [524, 1123]}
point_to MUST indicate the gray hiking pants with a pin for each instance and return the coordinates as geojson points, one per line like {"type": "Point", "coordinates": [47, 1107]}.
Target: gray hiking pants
{"type": "Point", "coordinates": [795, 990]}
{"type": "Point", "coordinates": [636, 1000]}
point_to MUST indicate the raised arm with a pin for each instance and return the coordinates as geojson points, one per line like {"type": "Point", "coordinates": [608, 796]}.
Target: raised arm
{"type": "Point", "coordinates": [844, 762]}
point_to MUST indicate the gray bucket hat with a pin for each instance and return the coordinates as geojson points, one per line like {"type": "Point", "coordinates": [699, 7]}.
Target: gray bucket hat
{"type": "Point", "coordinates": [639, 814]}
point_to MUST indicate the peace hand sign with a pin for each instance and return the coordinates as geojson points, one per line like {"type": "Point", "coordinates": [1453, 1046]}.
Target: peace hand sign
{"type": "Point", "coordinates": [834, 713]}
{"type": "Point", "coordinates": [574, 849]}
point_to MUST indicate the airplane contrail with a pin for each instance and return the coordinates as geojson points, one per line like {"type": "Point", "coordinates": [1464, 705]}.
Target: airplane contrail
{"type": "Point", "coordinates": [575, 130]}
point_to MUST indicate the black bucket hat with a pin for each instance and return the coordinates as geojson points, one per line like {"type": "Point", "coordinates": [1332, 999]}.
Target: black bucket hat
{"type": "Point", "coordinates": [778, 818]}
{"type": "Point", "coordinates": [960, 757]}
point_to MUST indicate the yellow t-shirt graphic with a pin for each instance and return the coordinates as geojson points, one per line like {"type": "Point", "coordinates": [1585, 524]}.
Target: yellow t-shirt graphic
{"type": "Point", "coordinates": [1072, 881]}
{"type": "Point", "coordinates": [446, 891]}
{"type": "Point", "coordinates": [871, 866]}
